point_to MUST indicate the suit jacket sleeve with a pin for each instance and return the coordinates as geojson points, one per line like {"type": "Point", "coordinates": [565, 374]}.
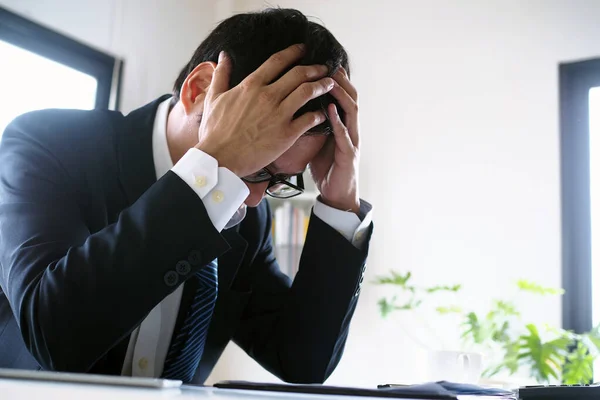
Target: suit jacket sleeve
{"type": "Point", "coordinates": [76, 293]}
{"type": "Point", "coordinates": [298, 331]}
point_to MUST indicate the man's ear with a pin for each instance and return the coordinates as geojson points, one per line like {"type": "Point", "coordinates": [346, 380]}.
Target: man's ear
{"type": "Point", "coordinates": [194, 88]}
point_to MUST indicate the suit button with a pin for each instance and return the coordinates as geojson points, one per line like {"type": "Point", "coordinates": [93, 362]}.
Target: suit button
{"type": "Point", "coordinates": [171, 278]}
{"type": "Point", "coordinates": [183, 267]}
{"type": "Point", "coordinates": [195, 257]}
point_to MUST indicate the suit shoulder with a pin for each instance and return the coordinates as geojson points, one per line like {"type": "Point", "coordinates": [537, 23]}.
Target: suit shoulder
{"type": "Point", "coordinates": [52, 124]}
{"type": "Point", "coordinates": [65, 134]}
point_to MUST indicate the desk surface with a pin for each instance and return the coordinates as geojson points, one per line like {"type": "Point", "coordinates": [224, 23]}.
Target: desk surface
{"type": "Point", "coordinates": [18, 389]}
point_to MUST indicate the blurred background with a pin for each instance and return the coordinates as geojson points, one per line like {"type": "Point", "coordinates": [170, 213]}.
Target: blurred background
{"type": "Point", "coordinates": [475, 154]}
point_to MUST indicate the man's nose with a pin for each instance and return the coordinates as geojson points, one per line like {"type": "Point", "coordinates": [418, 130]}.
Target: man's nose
{"type": "Point", "coordinates": [257, 192]}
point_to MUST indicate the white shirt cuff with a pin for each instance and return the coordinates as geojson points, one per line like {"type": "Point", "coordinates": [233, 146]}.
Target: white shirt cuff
{"type": "Point", "coordinates": [347, 223]}
{"type": "Point", "coordinates": [221, 191]}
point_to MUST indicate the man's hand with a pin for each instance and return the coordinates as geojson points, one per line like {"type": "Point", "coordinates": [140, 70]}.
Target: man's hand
{"type": "Point", "coordinates": [335, 169]}
{"type": "Point", "coordinates": [251, 125]}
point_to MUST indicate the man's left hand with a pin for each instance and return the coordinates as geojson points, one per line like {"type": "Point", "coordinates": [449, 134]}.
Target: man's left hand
{"type": "Point", "coordinates": [335, 168]}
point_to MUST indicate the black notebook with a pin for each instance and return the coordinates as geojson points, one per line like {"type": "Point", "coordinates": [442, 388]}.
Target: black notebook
{"type": "Point", "coordinates": [560, 392]}
{"type": "Point", "coordinates": [426, 391]}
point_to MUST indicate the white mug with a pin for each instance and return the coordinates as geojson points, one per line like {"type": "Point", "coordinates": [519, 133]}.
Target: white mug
{"type": "Point", "coordinates": [455, 366]}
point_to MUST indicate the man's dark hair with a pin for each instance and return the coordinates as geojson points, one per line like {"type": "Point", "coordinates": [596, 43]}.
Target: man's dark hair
{"type": "Point", "coordinates": [250, 39]}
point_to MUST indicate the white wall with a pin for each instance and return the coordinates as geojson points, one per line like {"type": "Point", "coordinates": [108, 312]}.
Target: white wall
{"type": "Point", "coordinates": [459, 115]}
{"type": "Point", "coordinates": [154, 37]}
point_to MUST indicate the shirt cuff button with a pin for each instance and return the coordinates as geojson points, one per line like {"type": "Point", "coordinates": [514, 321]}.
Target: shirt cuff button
{"type": "Point", "coordinates": [200, 181]}
{"type": "Point", "coordinates": [218, 196]}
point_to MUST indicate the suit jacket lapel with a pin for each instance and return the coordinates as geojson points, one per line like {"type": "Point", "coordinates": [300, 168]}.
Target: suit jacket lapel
{"type": "Point", "coordinates": [135, 153]}
{"type": "Point", "coordinates": [230, 261]}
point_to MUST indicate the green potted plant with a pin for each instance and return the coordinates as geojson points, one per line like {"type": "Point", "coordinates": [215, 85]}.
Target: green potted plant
{"type": "Point", "coordinates": [546, 354]}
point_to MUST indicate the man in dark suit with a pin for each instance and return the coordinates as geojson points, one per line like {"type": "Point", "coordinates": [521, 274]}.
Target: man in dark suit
{"type": "Point", "coordinates": [140, 244]}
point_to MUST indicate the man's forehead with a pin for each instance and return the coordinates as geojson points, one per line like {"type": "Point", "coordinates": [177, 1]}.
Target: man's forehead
{"type": "Point", "coordinates": [295, 159]}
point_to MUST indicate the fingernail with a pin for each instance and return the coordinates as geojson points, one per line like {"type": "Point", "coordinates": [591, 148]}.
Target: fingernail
{"type": "Point", "coordinates": [302, 46]}
{"type": "Point", "coordinates": [335, 109]}
{"type": "Point", "coordinates": [221, 56]}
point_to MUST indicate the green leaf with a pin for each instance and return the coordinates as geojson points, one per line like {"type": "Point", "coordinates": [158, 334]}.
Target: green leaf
{"type": "Point", "coordinates": [443, 288]}
{"type": "Point", "coordinates": [510, 361]}
{"type": "Point", "coordinates": [562, 343]}
{"type": "Point", "coordinates": [471, 325]}
{"type": "Point", "coordinates": [411, 305]}
{"type": "Point", "coordinates": [501, 335]}
{"type": "Point", "coordinates": [385, 306]}
{"type": "Point", "coordinates": [579, 366]}
{"type": "Point", "coordinates": [449, 310]}
{"type": "Point", "coordinates": [511, 354]}
{"type": "Point", "coordinates": [477, 330]}
{"type": "Point", "coordinates": [394, 279]}
{"type": "Point", "coordinates": [506, 308]}
{"type": "Point", "coordinates": [545, 360]}
{"type": "Point", "coordinates": [593, 340]}
{"type": "Point", "coordinates": [490, 372]}
{"type": "Point", "coordinates": [532, 287]}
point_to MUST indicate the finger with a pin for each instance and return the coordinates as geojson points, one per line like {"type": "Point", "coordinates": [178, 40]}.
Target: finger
{"type": "Point", "coordinates": [276, 64]}
{"type": "Point", "coordinates": [344, 71]}
{"type": "Point", "coordinates": [303, 94]}
{"type": "Point", "coordinates": [342, 79]}
{"type": "Point", "coordinates": [322, 162]}
{"type": "Point", "coordinates": [306, 122]}
{"type": "Point", "coordinates": [350, 109]}
{"type": "Point", "coordinates": [340, 132]}
{"type": "Point", "coordinates": [295, 77]}
{"type": "Point", "coordinates": [220, 79]}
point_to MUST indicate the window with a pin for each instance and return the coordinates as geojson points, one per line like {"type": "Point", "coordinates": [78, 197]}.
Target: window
{"type": "Point", "coordinates": [43, 69]}
{"type": "Point", "coordinates": [580, 193]}
{"type": "Point", "coordinates": [594, 116]}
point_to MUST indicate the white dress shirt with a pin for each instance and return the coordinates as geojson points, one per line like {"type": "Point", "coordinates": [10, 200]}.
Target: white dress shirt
{"type": "Point", "coordinates": [222, 193]}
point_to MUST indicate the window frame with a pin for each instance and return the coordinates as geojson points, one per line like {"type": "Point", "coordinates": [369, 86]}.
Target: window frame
{"type": "Point", "coordinates": [31, 36]}
{"type": "Point", "coordinates": [575, 81]}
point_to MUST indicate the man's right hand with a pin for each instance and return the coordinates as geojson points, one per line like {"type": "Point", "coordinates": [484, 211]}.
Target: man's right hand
{"type": "Point", "coordinates": [251, 125]}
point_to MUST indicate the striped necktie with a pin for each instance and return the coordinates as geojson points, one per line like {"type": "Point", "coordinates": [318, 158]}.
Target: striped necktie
{"type": "Point", "coordinates": [187, 346]}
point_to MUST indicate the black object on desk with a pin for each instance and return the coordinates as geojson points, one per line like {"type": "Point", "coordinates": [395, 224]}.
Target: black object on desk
{"type": "Point", "coordinates": [560, 392]}
{"type": "Point", "coordinates": [459, 389]}
{"type": "Point", "coordinates": [408, 392]}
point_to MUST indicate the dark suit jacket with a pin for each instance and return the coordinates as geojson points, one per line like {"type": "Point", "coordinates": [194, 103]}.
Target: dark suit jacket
{"type": "Point", "coordinates": [88, 236]}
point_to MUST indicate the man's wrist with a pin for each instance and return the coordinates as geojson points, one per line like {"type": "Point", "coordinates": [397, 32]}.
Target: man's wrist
{"type": "Point", "coordinates": [221, 159]}
{"type": "Point", "coordinates": [353, 207]}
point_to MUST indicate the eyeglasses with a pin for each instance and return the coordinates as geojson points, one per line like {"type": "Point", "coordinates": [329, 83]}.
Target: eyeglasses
{"type": "Point", "coordinates": [280, 186]}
